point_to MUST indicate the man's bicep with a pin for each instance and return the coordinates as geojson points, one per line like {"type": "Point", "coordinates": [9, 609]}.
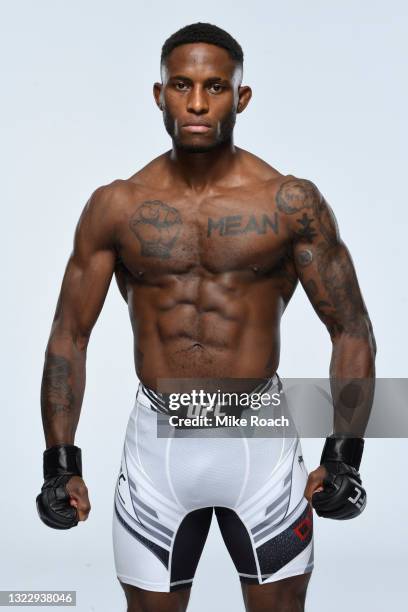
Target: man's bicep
{"type": "Point", "coordinates": [88, 273]}
{"type": "Point", "coordinates": [323, 262]}
{"type": "Point", "coordinates": [83, 293]}
{"type": "Point", "coordinates": [328, 276]}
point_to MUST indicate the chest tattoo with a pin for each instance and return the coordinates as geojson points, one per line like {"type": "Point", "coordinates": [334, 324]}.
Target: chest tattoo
{"type": "Point", "coordinates": [156, 226]}
{"type": "Point", "coordinates": [236, 225]}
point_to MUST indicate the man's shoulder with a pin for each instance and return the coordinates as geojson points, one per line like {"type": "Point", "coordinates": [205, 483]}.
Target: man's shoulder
{"type": "Point", "coordinates": [294, 194]}
{"type": "Point", "coordinates": [282, 186]}
{"type": "Point", "coordinates": [112, 198]}
{"type": "Point", "coordinates": [103, 212]}
{"type": "Point", "coordinates": [113, 193]}
{"type": "Point", "coordinates": [305, 210]}
{"type": "Point", "coordinates": [257, 169]}
{"type": "Point", "coordinates": [122, 190]}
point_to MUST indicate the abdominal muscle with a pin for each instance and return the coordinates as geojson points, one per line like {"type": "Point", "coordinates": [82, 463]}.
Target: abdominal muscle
{"type": "Point", "coordinates": [208, 335]}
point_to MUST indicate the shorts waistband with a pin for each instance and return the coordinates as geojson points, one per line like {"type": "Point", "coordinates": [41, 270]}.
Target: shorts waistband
{"type": "Point", "coordinates": [157, 401]}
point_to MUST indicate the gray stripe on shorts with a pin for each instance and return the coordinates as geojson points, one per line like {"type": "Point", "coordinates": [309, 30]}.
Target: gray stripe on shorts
{"type": "Point", "coordinates": [144, 517]}
{"type": "Point", "coordinates": [138, 525]}
{"type": "Point", "coordinates": [279, 500]}
{"type": "Point", "coordinates": [137, 499]}
{"type": "Point", "coordinates": [271, 520]}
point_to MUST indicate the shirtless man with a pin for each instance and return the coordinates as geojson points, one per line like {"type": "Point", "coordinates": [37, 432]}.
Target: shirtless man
{"type": "Point", "coordinates": [207, 243]}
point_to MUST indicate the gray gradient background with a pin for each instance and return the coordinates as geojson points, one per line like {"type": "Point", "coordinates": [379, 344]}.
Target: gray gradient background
{"type": "Point", "coordinates": [77, 111]}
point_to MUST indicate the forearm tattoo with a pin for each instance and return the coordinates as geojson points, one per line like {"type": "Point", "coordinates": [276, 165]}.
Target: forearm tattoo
{"type": "Point", "coordinates": [56, 391]}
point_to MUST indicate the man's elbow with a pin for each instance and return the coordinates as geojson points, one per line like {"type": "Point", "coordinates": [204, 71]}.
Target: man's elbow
{"type": "Point", "coordinates": [64, 338]}
{"type": "Point", "coordinates": [358, 331]}
{"type": "Point", "coordinates": [368, 334]}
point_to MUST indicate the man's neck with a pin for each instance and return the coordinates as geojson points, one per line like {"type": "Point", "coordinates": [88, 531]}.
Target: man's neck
{"type": "Point", "coordinates": [200, 171]}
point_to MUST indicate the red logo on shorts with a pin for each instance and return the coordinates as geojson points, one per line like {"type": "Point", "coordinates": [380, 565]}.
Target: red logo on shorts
{"type": "Point", "coordinates": [305, 526]}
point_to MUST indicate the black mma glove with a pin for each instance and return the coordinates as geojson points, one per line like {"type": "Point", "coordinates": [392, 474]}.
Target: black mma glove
{"type": "Point", "coordinates": [61, 462]}
{"type": "Point", "coordinates": [343, 496]}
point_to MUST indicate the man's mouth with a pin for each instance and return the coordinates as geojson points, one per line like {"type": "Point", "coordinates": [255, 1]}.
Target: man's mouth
{"type": "Point", "coordinates": [198, 128]}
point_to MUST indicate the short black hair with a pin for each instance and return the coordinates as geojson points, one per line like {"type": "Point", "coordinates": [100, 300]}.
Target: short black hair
{"type": "Point", "coordinates": [203, 32]}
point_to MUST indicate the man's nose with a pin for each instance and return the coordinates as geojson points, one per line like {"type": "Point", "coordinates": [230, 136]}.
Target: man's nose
{"type": "Point", "coordinates": [197, 101]}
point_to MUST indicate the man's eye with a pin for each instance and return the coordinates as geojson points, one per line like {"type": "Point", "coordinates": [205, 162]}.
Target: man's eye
{"type": "Point", "coordinates": [180, 86]}
{"type": "Point", "coordinates": [216, 87]}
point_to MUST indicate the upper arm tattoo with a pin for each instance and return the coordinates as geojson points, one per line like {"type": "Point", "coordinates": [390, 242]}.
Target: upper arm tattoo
{"type": "Point", "coordinates": [314, 216]}
{"type": "Point", "coordinates": [323, 263]}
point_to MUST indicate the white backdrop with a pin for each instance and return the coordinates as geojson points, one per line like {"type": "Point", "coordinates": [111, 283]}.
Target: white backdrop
{"type": "Point", "coordinates": [329, 104]}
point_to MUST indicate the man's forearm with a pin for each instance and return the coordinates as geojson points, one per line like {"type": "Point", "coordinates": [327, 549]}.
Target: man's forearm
{"type": "Point", "coordinates": [352, 379]}
{"type": "Point", "coordinates": [62, 388]}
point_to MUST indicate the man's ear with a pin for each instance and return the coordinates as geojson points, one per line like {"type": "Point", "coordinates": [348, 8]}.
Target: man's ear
{"type": "Point", "coordinates": [157, 90]}
{"type": "Point", "coordinates": [244, 96]}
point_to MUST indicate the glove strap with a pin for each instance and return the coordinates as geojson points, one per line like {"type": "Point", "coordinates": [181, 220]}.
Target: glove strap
{"type": "Point", "coordinates": [62, 459]}
{"type": "Point", "coordinates": [344, 449]}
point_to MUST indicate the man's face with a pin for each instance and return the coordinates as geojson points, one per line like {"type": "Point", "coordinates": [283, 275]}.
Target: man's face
{"type": "Point", "coordinates": [199, 96]}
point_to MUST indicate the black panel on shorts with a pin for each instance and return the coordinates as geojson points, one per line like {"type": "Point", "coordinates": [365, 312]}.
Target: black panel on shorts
{"type": "Point", "coordinates": [188, 545]}
{"type": "Point", "coordinates": [237, 540]}
{"type": "Point", "coordinates": [278, 551]}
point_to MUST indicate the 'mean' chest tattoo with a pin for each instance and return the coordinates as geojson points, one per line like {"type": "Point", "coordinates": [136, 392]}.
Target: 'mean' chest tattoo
{"type": "Point", "coordinates": [235, 225]}
{"type": "Point", "coordinates": [158, 227]}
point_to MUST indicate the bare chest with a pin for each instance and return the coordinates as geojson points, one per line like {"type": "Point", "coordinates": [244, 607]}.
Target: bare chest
{"type": "Point", "coordinates": [218, 235]}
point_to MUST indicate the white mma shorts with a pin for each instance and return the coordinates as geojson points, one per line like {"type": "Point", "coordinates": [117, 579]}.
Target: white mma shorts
{"type": "Point", "coordinates": [169, 487]}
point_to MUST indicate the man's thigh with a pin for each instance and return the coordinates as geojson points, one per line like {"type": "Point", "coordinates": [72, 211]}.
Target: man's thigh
{"type": "Point", "coordinates": [286, 595]}
{"type": "Point", "coordinates": [140, 600]}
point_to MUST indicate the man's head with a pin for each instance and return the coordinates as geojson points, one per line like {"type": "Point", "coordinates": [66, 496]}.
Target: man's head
{"type": "Point", "coordinates": [201, 69]}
